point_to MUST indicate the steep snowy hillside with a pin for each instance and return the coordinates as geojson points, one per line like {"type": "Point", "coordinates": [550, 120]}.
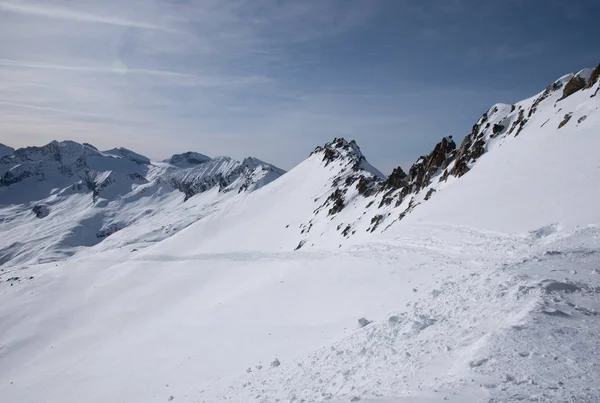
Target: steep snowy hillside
{"type": "Point", "coordinates": [474, 277]}
{"type": "Point", "coordinates": [63, 196]}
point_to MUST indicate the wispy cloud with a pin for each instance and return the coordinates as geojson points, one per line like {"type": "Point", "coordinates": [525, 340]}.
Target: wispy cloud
{"type": "Point", "coordinates": [47, 109]}
{"type": "Point", "coordinates": [67, 14]}
{"type": "Point", "coordinates": [118, 68]}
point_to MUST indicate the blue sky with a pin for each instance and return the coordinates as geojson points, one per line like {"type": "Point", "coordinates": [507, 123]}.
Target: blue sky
{"type": "Point", "coordinates": [276, 78]}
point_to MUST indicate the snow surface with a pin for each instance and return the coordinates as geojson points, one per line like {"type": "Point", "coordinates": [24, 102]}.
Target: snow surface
{"type": "Point", "coordinates": [487, 292]}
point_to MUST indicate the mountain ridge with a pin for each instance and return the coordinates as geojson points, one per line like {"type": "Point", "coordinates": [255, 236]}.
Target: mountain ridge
{"type": "Point", "coordinates": [354, 197]}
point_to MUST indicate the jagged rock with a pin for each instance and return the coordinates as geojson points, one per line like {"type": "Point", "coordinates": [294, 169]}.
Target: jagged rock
{"type": "Point", "coordinates": [366, 186]}
{"type": "Point", "coordinates": [555, 86]}
{"type": "Point", "coordinates": [566, 119]}
{"type": "Point", "coordinates": [497, 129]}
{"type": "Point", "coordinates": [337, 199]}
{"type": "Point", "coordinates": [375, 221]}
{"type": "Point", "coordinates": [593, 77]}
{"type": "Point", "coordinates": [426, 167]}
{"type": "Point", "coordinates": [347, 230]}
{"type": "Point", "coordinates": [396, 180]}
{"type": "Point", "coordinates": [575, 84]}
{"type": "Point", "coordinates": [348, 153]}
{"type": "Point", "coordinates": [429, 194]}
{"type": "Point", "coordinates": [41, 211]}
{"type": "Point", "coordinates": [469, 151]}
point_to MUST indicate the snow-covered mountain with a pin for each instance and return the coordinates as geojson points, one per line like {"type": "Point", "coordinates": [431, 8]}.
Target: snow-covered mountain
{"type": "Point", "coordinates": [5, 150]}
{"type": "Point", "coordinates": [65, 195]}
{"type": "Point", "coordinates": [473, 277]}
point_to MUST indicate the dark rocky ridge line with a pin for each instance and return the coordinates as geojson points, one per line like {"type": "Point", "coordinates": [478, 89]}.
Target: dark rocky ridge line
{"type": "Point", "coordinates": [443, 162]}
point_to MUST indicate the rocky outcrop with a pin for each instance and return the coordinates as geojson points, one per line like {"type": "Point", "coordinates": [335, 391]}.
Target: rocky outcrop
{"type": "Point", "coordinates": [41, 211]}
{"type": "Point", "coordinates": [593, 77]}
{"type": "Point", "coordinates": [565, 120]}
{"type": "Point", "coordinates": [348, 154]}
{"type": "Point", "coordinates": [420, 175]}
{"type": "Point", "coordinates": [575, 84]}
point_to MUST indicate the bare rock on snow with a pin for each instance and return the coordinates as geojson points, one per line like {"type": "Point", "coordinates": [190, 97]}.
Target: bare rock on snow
{"type": "Point", "coordinates": [41, 210]}
{"type": "Point", "coordinates": [575, 84]}
{"type": "Point", "coordinates": [362, 322]}
{"type": "Point", "coordinates": [553, 286]}
{"type": "Point", "coordinates": [566, 119]}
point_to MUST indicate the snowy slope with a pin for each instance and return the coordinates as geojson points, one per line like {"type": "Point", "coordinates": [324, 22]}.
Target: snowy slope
{"type": "Point", "coordinates": [545, 175]}
{"type": "Point", "coordinates": [485, 289]}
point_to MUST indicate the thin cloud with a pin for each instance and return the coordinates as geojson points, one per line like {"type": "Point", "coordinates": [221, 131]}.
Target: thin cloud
{"type": "Point", "coordinates": [43, 108]}
{"type": "Point", "coordinates": [66, 14]}
{"type": "Point", "coordinates": [117, 68]}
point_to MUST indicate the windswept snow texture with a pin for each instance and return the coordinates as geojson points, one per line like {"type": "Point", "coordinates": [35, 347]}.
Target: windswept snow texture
{"type": "Point", "coordinates": [474, 277]}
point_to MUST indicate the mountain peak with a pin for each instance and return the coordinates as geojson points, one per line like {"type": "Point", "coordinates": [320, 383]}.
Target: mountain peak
{"type": "Point", "coordinates": [348, 153]}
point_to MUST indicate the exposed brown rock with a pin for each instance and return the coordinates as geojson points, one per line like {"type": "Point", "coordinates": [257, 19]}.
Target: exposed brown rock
{"type": "Point", "coordinates": [429, 194]}
{"type": "Point", "coordinates": [593, 77]}
{"type": "Point", "coordinates": [575, 84]}
{"type": "Point", "coordinates": [565, 120]}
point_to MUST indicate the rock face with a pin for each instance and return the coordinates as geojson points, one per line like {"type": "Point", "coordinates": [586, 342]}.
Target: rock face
{"type": "Point", "coordinates": [426, 167]}
{"type": "Point", "coordinates": [41, 211]}
{"type": "Point", "coordinates": [575, 84]}
{"type": "Point", "coordinates": [595, 74]}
